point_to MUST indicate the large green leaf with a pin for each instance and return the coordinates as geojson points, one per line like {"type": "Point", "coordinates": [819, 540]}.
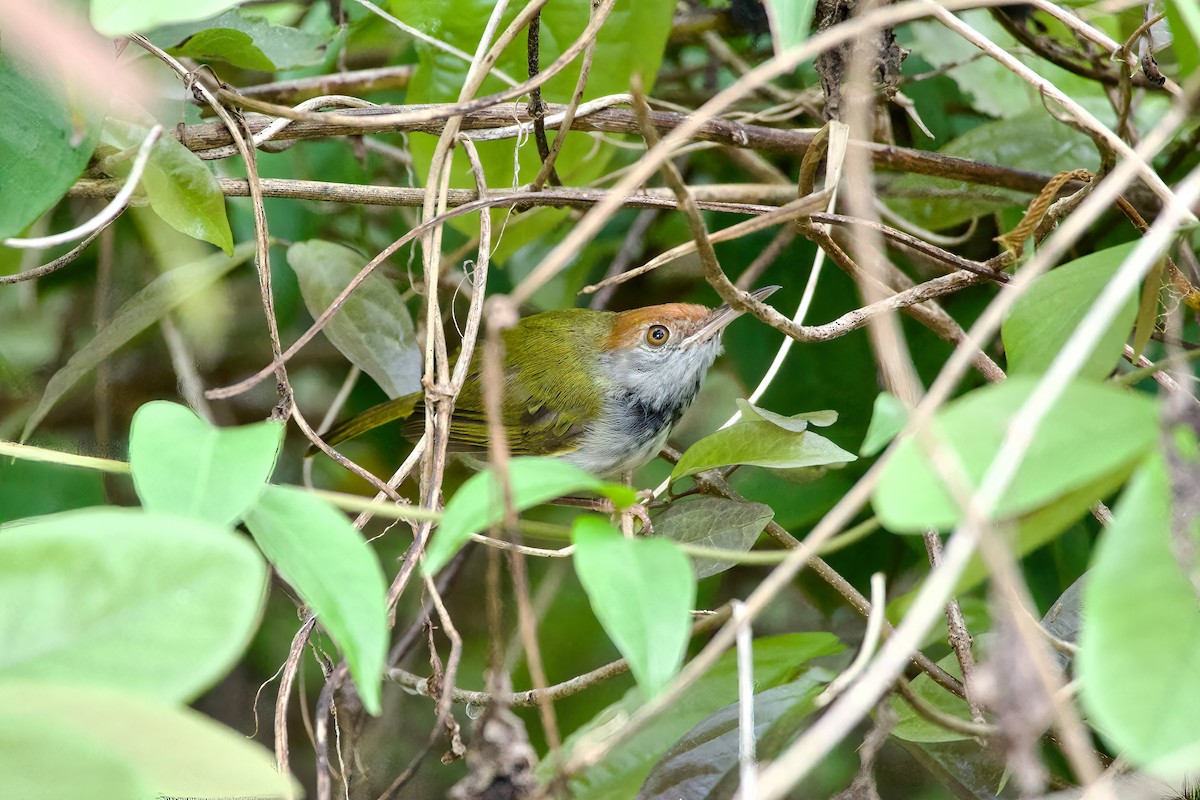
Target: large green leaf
{"type": "Point", "coordinates": [337, 574]}
{"type": "Point", "coordinates": [373, 328]}
{"type": "Point", "coordinates": [144, 601]}
{"type": "Point", "coordinates": [1092, 431]}
{"type": "Point", "coordinates": [642, 591]}
{"type": "Point", "coordinates": [177, 752]}
{"type": "Point", "coordinates": [478, 503]}
{"type": "Point", "coordinates": [181, 188]}
{"type": "Point", "coordinates": [1046, 315]}
{"type": "Point", "coordinates": [631, 42]}
{"type": "Point", "coordinates": [714, 522]}
{"type": "Point", "coordinates": [1031, 141]}
{"type": "Point", "coordinates": [119, 17]}
{"type": "Point", "coordinates": [41, 760]}
{"type": "Point", "coordinates": [183, 464]}
{"type": "Point", "coordinates": [244, 40]}
{"type": "Point", "coordinates": [138, 313]}
{"type": "Point", "coordinates": [1139, 656]}
{"type": "Point", "coordinates": [777, 660]}
{"type": "Point", "coordinates": [43, 148]}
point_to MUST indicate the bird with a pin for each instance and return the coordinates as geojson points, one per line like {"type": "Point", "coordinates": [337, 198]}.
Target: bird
{"type": "Point", "coordinates": [600, 390]}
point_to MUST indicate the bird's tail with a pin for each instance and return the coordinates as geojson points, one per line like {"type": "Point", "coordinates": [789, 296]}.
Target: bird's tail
{"type": "Point", "coordinates": [382, 414]}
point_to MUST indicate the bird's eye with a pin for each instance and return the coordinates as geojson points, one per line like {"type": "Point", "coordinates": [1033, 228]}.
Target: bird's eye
{"type": "Point", "coordinates": [657, 335]}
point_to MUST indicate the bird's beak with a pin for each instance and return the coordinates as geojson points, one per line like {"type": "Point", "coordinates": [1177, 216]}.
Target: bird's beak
{"type": "Point", "coordinates": [721, 316]}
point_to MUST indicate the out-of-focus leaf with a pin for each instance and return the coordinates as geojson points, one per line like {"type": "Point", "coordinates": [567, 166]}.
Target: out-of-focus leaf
{"type": "Point", "coordinates": [777, 660]}
{"type": "Point", "coordinates": [1046, 315]}
{"type": "Point", "coordinates": [797, 423]}
{"type": "Point", "coordinates": [244, 40]}
{"type": "Point", "coordinates": [642, 591]}
{"type": "Point", "coordinates": [1065, 618]}
{"type": "Point", "coordinates": [173, 749]}
{"type": "Point", "coordinates": [181, 188]}
{"type": "Point", "coordinates": [183, 464]}
{"type": "Point", "coordinates": [43, 149]}
{"type": "Point", "coordinates": [118, 17]}
{"type": "Point", "coordinates": [40, 760]}
{"type": "Point", "coordinates": [1031, 141]}
{"type": "Point", "coordinates": [373, 328]}
{"type": "Point", "coordinates": [631, 41]}
{"type": "Point", "coordinates": [29, 488]}
{"type": "Point", "coordinates": [149, 602]}
{"type": "Point", "coordinates": [337, 574]}
{"type": "Point", "coordinates": [1140, 644]}
{"type": "Point", "coordinates": [762, 444]}
{"type": "Point", "coordinates": [912, 727]}
{"type": "Point", "coordinates": [887, 420]}
{"type": "Point", "coordinates": [713, 522]}
{"type": "Point", "coordinates": [1091, 432]}
{"type": "Point", "coordinates": [138, 313]}
{"type": "Point", "coordinates": [790, 21]}
{"type": "Point", "coordinates": [1147, 314]}
{"type": "Point", "coordinates": [704, 763]}
{"type": "Point", "coordinates": [478, 503]}
{"type": "Point", "coordinates": [1184, 19]}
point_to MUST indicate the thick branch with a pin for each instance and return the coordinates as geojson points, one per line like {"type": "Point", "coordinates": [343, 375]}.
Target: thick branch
{"type": "Point", "coordinates": [207, 136]}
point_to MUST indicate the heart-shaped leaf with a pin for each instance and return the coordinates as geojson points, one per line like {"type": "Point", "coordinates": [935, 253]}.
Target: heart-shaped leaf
{"type": "Point", "coordinates": [182, 464]}
{"type": "Point", "coordinates": [642, 591]}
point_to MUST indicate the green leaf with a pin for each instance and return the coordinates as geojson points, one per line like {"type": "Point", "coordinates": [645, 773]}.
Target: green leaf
{"type": "Point", "coordinates": [642, 591]}
{"type": "Point", "coordinates": [1139, 651]}
{"type": "Point", "coordinates": [704, 763]}
{"type": "Point", "coordinates": [145, 601]}
{"type": "Point", "coordinates": [182, 190]}
{"type": "Point", "coordinates": [336, 573]}
{"type": "Point", "coordinates": [138, 313]}
{"type": "Point", "coordinates": [373, 328]}
{"type": "Point", "coordinates": [790, 21]}
{"type": "Point", "coordinates": [762, 444]}
{"type": "Point", "coordinates": [173, 749]}
{"type": "Point", "coordinates": [1184, 18]}
{"type": "Point", "coordinates": [1019, 142]}
{"type": "Point", "coordinates": [478, 503]}
{"type": "Point", "coordinates": [244, 40]}
{"type": "Point", "coordinates": [631, 41]}
{"type": "Point", "coordinates": [911, 726]}
{"type": "Point", "coordinates": [29, 488]}
{"type": "Point", "coordinates": [1092, 431]}
{"type": "Point", "coordinates": [43, 149]}
{"type": "Point", "coordinates": [713, 522]}
{"type": "Point", "coordinates": [888, 417]}
{"type": "Point", "coordinates": [1046, 315]}
{"type": "Point", "coordinates": [118, 17]}
{"type": "Point", "coordinates": [777, 660]}
{"type": "Point", "coordinates": [797, 423]}
{"type": "Point", "coordinates": [40, 760]}
{"type": "Point", "coordinates": [1147, 312]}
{"type": "Point", "coordinates": [183, 464]}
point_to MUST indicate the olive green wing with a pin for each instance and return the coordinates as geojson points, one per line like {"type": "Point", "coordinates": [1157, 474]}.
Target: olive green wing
{"type": "Point", "coordinates": [549, 392]}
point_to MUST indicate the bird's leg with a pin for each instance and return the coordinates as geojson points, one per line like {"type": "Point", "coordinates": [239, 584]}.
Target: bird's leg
{"type": "Point", "coordinates": [605, 506]}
